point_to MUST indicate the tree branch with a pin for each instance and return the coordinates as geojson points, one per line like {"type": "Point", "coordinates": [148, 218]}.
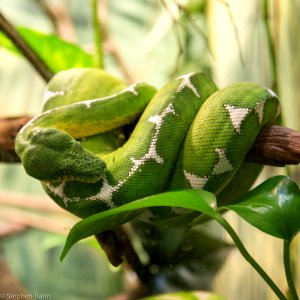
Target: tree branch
{"type": "Point", "coordinates": [9, 30]}
{"type": "Point", "coordinates": [274, 146]}
{"type": "Point", "coordinates": [9, 128]}
{"type": "Point", "coordinates": [117, 247]}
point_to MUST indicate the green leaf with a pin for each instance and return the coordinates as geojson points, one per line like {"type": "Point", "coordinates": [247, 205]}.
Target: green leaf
{"type": "Point", "coordinates": [199, 295]}
{"type": "Point", "coordinates": [199, 200]}
{"type": "Point", "coordinates": [273, 207]}
{"type": "Point", "coordinates": [56, 53]}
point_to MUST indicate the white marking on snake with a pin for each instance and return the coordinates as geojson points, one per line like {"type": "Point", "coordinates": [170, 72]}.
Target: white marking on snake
{"type": "Point", "coordinates": [51, 94]}
{"type": "Point", "coordinates": [259, 110]}
{"type": "Point", "coordinates": [237, 115]}
{"type": "Point", "coordinates": [272, 93]}
{"type": "Point", "coordinates": [152, 152]}
{"type": "Point", "coordinates": [195, 181]}
{"type": "Point", "coordinates": [186, 82]}
{"type": "Point", "coordinates": [59, 192]}
{"type": "Point", "coordinates": [130, 89]}
{"type": "Point", "coordinates": [223, 165]}
{"type": "Point", "coordinates": [87, 104]}
{"type": "Point", "coordinates": [107, 190]}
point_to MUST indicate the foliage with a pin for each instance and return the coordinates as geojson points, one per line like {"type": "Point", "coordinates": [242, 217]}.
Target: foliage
{"type": "Point", "coordinates": [271, 207]}
{"type": "Point", "coordinates": [56, 53]}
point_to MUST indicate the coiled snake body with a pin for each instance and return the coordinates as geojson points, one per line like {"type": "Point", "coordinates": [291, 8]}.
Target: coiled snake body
{"type": "Point", "coordinates": [189, 135]}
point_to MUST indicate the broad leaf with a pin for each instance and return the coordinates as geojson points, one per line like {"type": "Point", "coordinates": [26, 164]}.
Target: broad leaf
{"type": "Point", "coordinates": [199, 200]}
{"type": "Point", "coordinates": [273, 207]}
{"type": "Point", "coordinates": [56, 53]}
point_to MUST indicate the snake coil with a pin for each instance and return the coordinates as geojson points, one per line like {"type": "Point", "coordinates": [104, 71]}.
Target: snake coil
{"type": "Point", "coordinates": [189, 134]}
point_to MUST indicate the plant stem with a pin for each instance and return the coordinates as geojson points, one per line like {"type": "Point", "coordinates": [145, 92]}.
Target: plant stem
{"type": "Point", "coordinates": [271, 45]}
{"type": "Point", "coordinates": [9, 30]}
{"type": "Point", "coordinates": [248, 257]}
{"type": "Point", "coordinates": [97, 35]}
{"type": "Point", "coordinates": [288, 271]}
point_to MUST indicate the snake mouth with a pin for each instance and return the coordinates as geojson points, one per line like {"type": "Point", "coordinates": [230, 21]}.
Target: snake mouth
{"type": "Point", "coordinates": [75, 178]}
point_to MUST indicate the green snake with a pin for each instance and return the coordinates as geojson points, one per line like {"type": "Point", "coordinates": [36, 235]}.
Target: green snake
{"type": "Point", "coordinates": [188, 134]}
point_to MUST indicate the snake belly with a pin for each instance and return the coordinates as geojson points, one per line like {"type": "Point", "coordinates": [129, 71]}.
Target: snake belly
{"type": "Point", "coordinates": [190, 135]}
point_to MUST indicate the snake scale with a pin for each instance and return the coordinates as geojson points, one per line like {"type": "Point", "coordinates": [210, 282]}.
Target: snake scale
{"type": "Point", "coordinates": [188, 134]}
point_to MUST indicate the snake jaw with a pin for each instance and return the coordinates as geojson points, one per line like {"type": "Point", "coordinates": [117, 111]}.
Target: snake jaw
{"type": "Point", "coordinates": [52, 155]}
{"type": "Point", "coordinates": [74, 178]}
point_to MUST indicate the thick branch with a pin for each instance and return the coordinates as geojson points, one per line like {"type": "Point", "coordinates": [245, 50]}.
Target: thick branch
{"type": "Point", "coordinates": [276, 146]}
{"type": "Point", "coordinates": [9, 128]}
{"type": "Point", "coordinates": [9, 30]}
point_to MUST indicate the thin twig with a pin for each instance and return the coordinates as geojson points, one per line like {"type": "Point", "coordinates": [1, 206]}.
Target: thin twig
{"type": "Point", "coordinates": [98, 35]}
{"type": "Point", "coordinates": [9, 30]}
{"type": "Point", "coordinates": [110, 45]}
{"type": "Point", "coordinates": [235, 30]}
{"type": "Point", "coordinates": [112, 48]}
{"type": "Point", "coordinates": [30, 202]}
{"type": "Point", "coordinates": [180, 47]}
{"type": "Point", "coordinates": [49, 222]}
{"type": "Point", "coordinates": [60, 18]}
{"type": "Point", "coordinates": [195, 26]}
{"type": "Point", "coordinates": [8, 228]}
{"type": "Point", "coordinates": [48, 11]}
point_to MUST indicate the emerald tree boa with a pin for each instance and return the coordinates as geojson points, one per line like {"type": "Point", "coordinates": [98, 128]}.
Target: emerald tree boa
{"type": "Point", "coordinates": [188, 134]}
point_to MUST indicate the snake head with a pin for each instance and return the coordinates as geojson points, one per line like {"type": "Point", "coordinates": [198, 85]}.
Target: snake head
{"type": "Point", "coordinates": [52, 155]}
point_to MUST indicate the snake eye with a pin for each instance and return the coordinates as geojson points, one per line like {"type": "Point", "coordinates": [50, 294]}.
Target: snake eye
{"type": "Point", "coordinates": [65, 172]}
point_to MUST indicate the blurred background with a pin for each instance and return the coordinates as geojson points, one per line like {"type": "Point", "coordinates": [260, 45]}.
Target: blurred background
{"type": "Point", "coordinates": [152, 40]}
